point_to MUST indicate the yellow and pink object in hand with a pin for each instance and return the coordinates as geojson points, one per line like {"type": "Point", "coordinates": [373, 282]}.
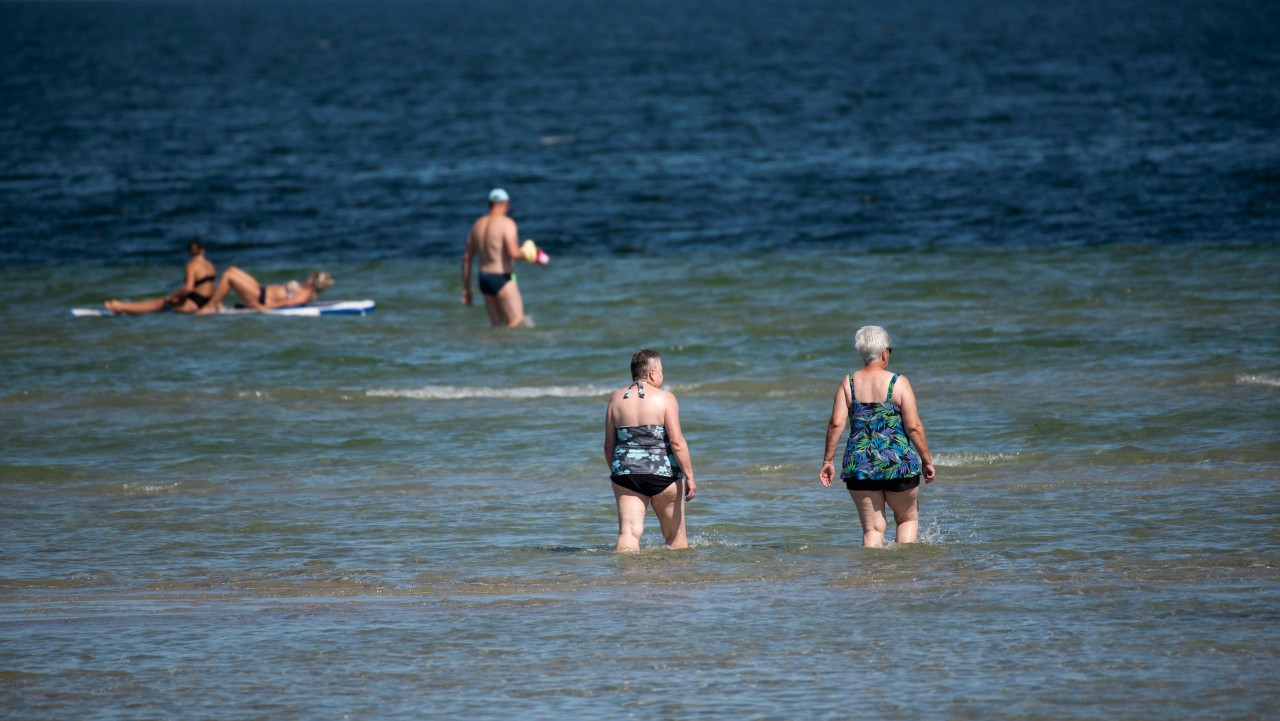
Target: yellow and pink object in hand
{"type": "Point", "coordinates": [533, 253]}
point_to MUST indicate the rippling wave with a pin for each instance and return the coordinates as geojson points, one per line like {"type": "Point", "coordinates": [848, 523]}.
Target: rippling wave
{"type": "Point", "coordinates": [506, 392]}
{"type": "Point", "coordinates": [1252, 379]}
{"type": "Point", "coordinates": [965, 459]}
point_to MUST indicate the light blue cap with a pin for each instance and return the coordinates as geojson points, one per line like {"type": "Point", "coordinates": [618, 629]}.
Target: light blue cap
{"type": "Point", "coordinates": [498, 195]}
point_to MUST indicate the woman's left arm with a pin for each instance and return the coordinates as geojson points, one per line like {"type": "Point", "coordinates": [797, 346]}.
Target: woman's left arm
{"type": "Point", "coordinates": [913, 426]}
{"type": "Point", "coordinates": [610, 435]}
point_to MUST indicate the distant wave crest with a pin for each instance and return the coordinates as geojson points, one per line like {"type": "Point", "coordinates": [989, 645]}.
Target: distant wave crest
{"type": "Point", "coordinates": [447, 393]}
{"type": "Point", "coordinates": [149, 489]}
{"type": "Point", "coordinates": [1254, 379]}
{"type": "Point", "coordinates": [972, 458]}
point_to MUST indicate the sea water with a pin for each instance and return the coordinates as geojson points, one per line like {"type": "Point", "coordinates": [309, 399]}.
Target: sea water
{"type": "Point", "coordinates": [407, 514]}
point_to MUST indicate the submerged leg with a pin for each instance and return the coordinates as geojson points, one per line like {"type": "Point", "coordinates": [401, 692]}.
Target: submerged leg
{"type": "Point", "coordinates": [669, 507]}
{"type": "Point", "coordinates": [494, 310]}
{"type": "Point", "coordinates": [871, 513]}
{"type": "Point", "coordinates": [512, 305]}
{"type": "Point", "coordinates": [631, 507]}
{"type": "Point", "coordinates": [906, 515]}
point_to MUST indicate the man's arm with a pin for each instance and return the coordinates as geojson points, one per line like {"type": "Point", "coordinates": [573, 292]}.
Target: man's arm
{"type": "Point", "coordinates": [511, 242]}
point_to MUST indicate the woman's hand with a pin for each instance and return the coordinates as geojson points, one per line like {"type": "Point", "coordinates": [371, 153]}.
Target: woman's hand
{"type": "Point", "coordinates": [929, 471]}
{"type": "Point", "coordinates": [466, 296]}
{"type": "Point", "coordinates": [690, 488]}
{"type": "Point", "coordinates": [827, 473]}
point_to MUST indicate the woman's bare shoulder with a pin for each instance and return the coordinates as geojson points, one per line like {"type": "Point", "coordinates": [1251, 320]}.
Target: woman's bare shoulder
{"type": "Point", "coordinates": [902, 385]}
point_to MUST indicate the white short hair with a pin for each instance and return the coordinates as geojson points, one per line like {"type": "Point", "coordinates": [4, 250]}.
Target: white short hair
{"type": "Point", "coordinates": [871, 341]}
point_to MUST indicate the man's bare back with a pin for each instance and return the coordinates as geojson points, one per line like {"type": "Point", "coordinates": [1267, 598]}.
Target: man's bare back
{"type": "Point", "coordinates": [490, 237]}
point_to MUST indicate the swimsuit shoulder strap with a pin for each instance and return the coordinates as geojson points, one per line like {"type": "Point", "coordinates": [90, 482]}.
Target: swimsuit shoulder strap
{"type": "Point", "coordinates": [894, 379]}
{"type": "Point", "coordinates": [853, 393]}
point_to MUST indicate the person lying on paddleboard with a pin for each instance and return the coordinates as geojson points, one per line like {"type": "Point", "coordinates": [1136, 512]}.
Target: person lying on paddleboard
{"type": "Point", "coordinates": [259, 296]}
{"type": "Point", "coordinates": [197, 287]}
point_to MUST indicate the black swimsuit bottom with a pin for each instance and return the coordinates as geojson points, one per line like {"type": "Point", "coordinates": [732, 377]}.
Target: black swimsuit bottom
{"type": "Point", "coordinates": [891, 485]}
{"type": "Point", "coordinates": [491, 283]}
{"type": "Point", "coordinates": [646, 484]}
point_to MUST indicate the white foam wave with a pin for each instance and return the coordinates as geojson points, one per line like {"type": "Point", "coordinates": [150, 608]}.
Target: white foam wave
{"type": "Point", "coordinates": [1253, 379]}
{"type": "Point", "coordinates": [135, 489]}
{"type": "Point", "coordinates": [972, 458]}
{"type": "Point", "coordinates": [450, 393]}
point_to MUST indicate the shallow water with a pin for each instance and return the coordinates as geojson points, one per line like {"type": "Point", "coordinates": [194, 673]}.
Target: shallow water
{"type": "Point", "coordinates": [404, 512]}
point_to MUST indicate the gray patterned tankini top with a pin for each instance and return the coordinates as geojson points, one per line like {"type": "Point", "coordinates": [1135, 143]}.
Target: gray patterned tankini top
{"type": "Point", "coordinates": [643, 449]}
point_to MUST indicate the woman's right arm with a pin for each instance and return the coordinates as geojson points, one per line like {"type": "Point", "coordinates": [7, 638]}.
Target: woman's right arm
{"type": "Point", "coordinates": [835, 429]}
{"type": "Point", "coordinates": [675, 434]}
{"type": "Point", "coordinates": [914, 427]}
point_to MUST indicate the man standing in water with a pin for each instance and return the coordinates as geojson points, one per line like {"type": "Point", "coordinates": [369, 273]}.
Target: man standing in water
{"type": "Point", "coordinates": [495, 239]}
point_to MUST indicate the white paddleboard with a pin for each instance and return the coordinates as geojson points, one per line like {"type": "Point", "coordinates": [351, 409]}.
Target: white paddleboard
{"type": "Point", "coordinates": [324, 307]}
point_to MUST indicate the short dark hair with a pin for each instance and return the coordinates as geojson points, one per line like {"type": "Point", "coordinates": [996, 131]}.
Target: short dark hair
{"type": "Point", "coordinates": [642, 361]}
{"type": "Point", "coordinates": [195, 246]}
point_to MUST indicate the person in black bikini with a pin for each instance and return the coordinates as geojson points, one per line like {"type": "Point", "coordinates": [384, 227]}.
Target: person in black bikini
{"type": "Point", "coordinates": [641, 436]}
{"type": "Point", "coordinates": [197, 286]}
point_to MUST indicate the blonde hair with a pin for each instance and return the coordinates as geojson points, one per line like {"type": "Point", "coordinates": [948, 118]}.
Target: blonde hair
{"type": "Point", "coordinates": [320, 281]}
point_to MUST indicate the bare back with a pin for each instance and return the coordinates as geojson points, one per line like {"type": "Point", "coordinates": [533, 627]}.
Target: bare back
{"type": "Point", "coordinates": [872, 384]}
{"type": "Point", "coordinates": [492, 239]}
{"type": "Point", "coordinates": [651, 410]}
{"type": "Point", "coordinates": [200, 269]}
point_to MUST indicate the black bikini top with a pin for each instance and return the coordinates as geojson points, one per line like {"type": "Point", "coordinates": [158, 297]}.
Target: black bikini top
{"type": "Point", "coordinates": [206, 279]}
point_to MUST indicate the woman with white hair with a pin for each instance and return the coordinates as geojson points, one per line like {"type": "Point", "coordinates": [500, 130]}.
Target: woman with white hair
{"type": "Point", "coordinates": [886, 455]}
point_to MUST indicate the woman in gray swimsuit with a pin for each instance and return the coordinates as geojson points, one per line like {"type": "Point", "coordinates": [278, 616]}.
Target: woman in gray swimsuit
{"type": "Point", "coordinates": [641, 436]}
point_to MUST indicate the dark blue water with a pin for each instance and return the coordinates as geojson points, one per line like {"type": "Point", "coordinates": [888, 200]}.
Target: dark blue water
{"type": "Point", "coordinates": [347, 131]}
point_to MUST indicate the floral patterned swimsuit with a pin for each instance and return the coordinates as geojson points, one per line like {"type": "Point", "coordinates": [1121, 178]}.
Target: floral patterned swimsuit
{"type": "Point", "coordinates": [879, 456]}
